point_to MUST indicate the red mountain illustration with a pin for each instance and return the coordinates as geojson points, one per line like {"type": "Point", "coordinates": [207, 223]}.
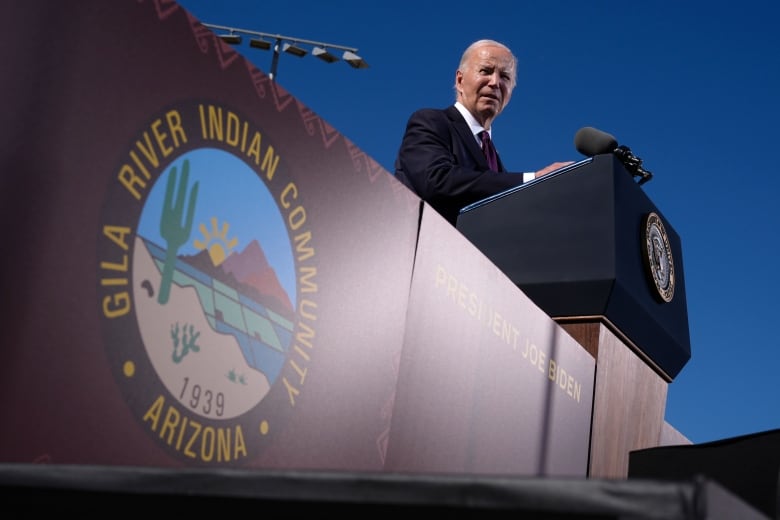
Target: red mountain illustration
{"type": "Point", "coordinates": [250, 267]}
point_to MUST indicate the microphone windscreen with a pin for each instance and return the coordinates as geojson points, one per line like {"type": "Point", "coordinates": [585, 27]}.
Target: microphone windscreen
{"type": "Point", "coordinates": [591, 141]}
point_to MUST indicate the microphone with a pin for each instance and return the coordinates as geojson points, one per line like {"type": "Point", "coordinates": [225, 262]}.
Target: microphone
{"type": "Point", "coordinates": [591, 141]}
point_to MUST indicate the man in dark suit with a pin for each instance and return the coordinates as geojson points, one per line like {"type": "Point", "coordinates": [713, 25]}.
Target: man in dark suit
{"type": "Point", "coordinates": [441, 155]}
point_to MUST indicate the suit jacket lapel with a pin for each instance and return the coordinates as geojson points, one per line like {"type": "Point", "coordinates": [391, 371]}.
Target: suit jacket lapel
{"type": "Point", "coordinates": [464, 132]}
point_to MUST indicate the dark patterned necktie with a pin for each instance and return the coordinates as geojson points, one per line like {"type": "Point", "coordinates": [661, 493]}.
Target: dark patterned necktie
{"type": "Point", "coordinates": [489, 150]}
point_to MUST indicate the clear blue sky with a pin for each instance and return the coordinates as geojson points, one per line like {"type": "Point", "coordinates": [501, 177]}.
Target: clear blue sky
{"type": "Point", "coordinates": [693, 88]}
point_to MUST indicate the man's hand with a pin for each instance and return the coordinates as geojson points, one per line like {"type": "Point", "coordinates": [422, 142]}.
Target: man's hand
{"type": "Point", "coordinates": [552, 167]}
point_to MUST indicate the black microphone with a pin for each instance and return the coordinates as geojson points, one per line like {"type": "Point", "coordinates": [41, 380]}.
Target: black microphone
{"type": "Point", "coordinates": [591, 141]}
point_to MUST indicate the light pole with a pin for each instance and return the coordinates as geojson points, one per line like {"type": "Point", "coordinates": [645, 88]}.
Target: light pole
{"type": "Point", "coordinates": [290, 45]}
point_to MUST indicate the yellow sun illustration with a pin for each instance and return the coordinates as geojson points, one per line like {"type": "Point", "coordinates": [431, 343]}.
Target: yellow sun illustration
{"type": "Point", "coordinates": [216, 241]}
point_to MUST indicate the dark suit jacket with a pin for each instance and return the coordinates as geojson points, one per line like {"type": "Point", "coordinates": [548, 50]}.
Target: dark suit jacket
{"type": "Point", "coordinates": [440, 160]}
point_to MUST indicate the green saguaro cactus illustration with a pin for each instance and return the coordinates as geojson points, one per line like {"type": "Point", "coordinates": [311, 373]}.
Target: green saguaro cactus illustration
{"type": "Point", "coordinates": [171, 228]}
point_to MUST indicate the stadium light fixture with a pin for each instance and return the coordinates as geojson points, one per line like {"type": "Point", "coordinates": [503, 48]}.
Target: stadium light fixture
{"type": "Point", "coordinates": [232, 38]}
{"type": "Point", "coordinates": [259, 43]}
{"type": "Point", "coordinates": [293, 49]}
{"type": "Point", "coordinates": [290, 45]}
{"type": "Point", "coordinates": [354, 60]}
{"type": "Point", "coordinates": [323, 54]}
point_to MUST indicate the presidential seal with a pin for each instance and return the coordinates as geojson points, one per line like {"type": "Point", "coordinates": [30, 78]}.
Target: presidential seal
{"type": "Point", "coordinates": [658, 259]}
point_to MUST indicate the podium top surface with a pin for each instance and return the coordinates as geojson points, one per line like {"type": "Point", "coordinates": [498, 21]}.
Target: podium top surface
{"type": "Point", "coordinates": [526, 185]}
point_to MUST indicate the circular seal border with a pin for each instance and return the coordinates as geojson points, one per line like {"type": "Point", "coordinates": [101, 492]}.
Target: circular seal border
{"type": "Point", "coordinates": [189, 436]}
{"type": "Point", "coordinates": [657, 256]}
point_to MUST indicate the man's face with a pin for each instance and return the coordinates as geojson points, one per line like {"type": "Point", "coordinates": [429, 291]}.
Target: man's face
{"type": "Point", "coordinates": [485, 82]}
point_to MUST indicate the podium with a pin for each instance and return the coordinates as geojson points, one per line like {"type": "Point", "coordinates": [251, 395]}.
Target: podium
{"type": "Point", "coordinates": [590, 248]}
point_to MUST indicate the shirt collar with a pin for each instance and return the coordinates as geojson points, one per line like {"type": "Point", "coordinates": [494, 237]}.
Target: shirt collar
{"type": "Point", "coordinates": [475, 127]}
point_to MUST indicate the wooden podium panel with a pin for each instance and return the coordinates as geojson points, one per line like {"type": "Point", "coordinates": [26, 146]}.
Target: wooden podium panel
{"type": "Point", "coordinates": [629, 400]}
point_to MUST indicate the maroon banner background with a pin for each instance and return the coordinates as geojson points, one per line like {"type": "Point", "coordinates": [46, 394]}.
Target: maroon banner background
{"type": "Point", "coordinates": [90, 81]}
{"type": "Point", "coordinates": [200, 271]}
